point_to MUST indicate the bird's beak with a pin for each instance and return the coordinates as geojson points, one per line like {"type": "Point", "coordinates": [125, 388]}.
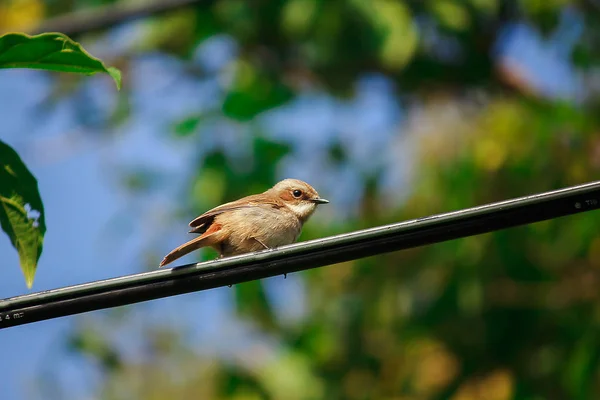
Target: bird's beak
{"type": "Point", "coordinates": [319, 200]}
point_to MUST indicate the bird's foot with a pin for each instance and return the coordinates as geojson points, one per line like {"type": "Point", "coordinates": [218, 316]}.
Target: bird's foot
{"type": "Point", "coordinates": [263, 245]}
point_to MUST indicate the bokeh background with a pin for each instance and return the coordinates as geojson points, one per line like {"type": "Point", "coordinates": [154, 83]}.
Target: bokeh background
{"type": "Point", "coordinates": [392, 110]}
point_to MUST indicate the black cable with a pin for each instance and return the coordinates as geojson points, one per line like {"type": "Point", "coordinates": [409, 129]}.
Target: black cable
{"type": "Point", "coordinates": [297, 257]}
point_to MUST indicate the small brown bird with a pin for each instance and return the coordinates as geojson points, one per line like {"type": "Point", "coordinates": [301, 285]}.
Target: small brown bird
{"type": "Point", "coordinates": [260, 221]}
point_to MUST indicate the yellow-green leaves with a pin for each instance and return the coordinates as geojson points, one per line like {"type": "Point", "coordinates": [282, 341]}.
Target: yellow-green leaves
{"type": "Point", "coordinates": [21, 210]}
{"type": "Point", "coordinates": [52, 52]}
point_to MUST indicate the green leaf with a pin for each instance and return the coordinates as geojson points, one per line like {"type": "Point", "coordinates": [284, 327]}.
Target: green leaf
{"type": "Point", "coordinates": [52, 52]}
{"type": "Point", "coordinates": [21, 210]}
{"type": "Point", "coordinates": [187, 126]}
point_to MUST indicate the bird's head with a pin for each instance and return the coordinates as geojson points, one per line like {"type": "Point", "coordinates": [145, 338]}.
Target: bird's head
{"type": "Point", "coordinates": [301, 198]}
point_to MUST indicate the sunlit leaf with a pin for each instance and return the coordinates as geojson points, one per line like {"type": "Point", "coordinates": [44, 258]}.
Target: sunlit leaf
{"type": "Point", "coordinates": [21, 14]}
{"type": "Point", "coordinates": [393, 21]}
{"type": "Point", "coordinates": [21, 210]}
{"type": "Point", "coordinates": [451, 15]}
{"type": "Point", "coordinates": [298, 15]}
{"type": "Point", "coordinates": [52, 52]}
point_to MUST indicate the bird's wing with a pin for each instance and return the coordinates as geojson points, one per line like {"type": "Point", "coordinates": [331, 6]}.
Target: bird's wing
{"type": "Point", "coordinates": [202, 223]}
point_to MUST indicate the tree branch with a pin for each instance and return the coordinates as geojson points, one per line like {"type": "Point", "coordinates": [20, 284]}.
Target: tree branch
{"type": "Point", "coordinates": [99, 18]}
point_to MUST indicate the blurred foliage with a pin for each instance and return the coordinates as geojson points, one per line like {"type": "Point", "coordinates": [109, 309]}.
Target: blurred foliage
{"type": "Point", "coordinates": [21, 14]}
{"type": "Point", "coordinates": [506, 315]}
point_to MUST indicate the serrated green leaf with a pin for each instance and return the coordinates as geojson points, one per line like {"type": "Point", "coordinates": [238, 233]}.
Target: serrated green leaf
{"type": "Point", "coordinates": [51, 52]}
{"type": "Point", "coordinates": [19, 201]}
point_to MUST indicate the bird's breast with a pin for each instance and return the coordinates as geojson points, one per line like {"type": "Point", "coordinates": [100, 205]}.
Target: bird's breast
{"type": "Point", "coordinates": [249, 228]}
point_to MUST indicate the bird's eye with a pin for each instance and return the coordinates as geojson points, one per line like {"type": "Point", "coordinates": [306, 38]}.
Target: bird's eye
{"type": "Point", "coordinates": [297, 193]}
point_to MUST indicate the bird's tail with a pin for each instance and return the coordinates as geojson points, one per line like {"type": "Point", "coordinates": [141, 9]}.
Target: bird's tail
{"type": "Point", "coordinates": [186, 248]}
